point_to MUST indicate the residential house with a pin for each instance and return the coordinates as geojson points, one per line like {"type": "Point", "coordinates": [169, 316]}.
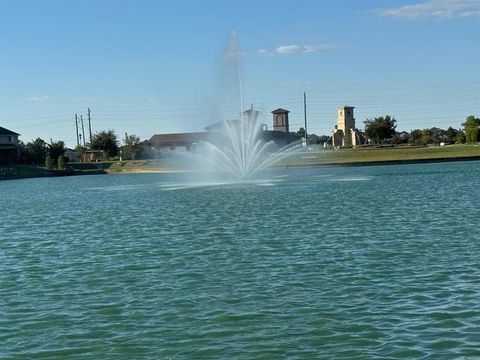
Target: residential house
{"type": "Point", "coordinates": [9, 149]}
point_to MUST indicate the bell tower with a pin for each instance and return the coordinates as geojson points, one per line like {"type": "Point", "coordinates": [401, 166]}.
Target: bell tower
{"type": "Point", "coordinates": [345, 134]}
{"type": "Point", "coordinates": [280, 120]}
{"type": "Point", "coordinates": [345, 119]}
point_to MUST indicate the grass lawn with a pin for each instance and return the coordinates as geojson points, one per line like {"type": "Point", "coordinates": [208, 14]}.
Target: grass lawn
{"type": "Point", "coordinates": [21, 171]}
{"type": "Point", "coordinates": [309, 158]}
{"type": "Point", "coordinates": [388, 154]}
{"type": "Point", "coordinates": [128, 166]}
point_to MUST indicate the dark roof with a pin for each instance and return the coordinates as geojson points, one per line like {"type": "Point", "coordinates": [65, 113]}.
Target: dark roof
{"type": "Point", "coordinates": [178, 138]}
{"type": "Point", "coordinates": [4, 131]}
{"type": "Point", "coordinates": [280, 135]}
{"type": "Point", "coordinates": [221, 125]}
{"type": "Point", "coordinates": [280, 111]}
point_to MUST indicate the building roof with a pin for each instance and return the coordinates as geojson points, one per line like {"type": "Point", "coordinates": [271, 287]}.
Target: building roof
{"type": "Point", "coordinates": [280, 111]}
{"type": "Point", "coordinates": [222, 125]}
{"type": "Point", "coordinates": [4, 131]}
{"type": "Point", "coordinates": [178, 138]}
{"type": "Point", "coordinates": [346, 107]}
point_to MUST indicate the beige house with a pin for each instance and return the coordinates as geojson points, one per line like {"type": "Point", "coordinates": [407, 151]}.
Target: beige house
{"type": "Point", "coordinates": [345, 133]}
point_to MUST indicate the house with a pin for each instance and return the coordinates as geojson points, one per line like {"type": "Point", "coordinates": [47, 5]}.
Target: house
{"type": "Point", "coordinates": [93, 156]}
{"type": "Point", "coordinates": [9, 149]}
{"type": "Point", "coordinates": [187, 142]}
{"type": "Point", "coordinates": [178, 141]}
{"type": "Point", "coordinates": [72, 155]}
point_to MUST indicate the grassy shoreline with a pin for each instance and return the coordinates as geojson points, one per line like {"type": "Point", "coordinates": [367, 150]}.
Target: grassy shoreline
{"type": "Point", "coordinates": [319, 157]}
{"type": "Point", "coordinates": [384, 156]}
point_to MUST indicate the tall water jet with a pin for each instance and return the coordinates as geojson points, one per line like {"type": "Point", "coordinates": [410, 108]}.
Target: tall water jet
{"type": "Point", "coordinates": [240, 147]}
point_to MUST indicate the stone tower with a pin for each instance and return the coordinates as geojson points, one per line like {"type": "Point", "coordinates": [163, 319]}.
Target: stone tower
{"type": "Point", "coordinates": [280, 120]}
{"type": "Point", "coordinates": [345, 119]}
{"type": "Point", "coordinates": [345, 134]}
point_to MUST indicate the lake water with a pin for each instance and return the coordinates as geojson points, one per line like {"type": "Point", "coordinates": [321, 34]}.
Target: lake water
{"type": "Point", "coordinates": [362, 262]}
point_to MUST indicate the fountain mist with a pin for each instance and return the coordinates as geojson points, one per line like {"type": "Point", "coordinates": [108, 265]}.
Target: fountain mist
{"type": "Point", "coordinates": [239, 147]}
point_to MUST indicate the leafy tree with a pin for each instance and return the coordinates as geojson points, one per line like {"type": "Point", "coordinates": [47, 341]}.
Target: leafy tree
{"type": "Point", "coordinates": [451, 134]}
{"type": "Point", "coordinates": [131, 146]}
{"type": "Point", "coordinates": [472, 128]}
{"type": "Point", "coordinates": [61, 162]}
{"type": "Point", "coordinates": [471, 135]}
{"type": "Point", "coordinates": [301, 132]}
{"type": "Point", "coordinates": [106, 141]}
{"type": "Point", "coordinates": [380, 129]}
{"type": "Point", "coordinates": [48, 162]}
{"type": "Point", "coordinates": [35, 151]}
{"type": "Point", "coordinates": [415, 137]}
{"type": "Point", "coordinates": [56, 150]}
{"type": "Point", "coordinates": [460, 137]}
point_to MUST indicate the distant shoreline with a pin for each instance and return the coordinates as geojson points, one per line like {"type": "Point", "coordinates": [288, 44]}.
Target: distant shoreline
{"type": "Point", "coordinates": [318, 158]}
{"type": "Point", "coordinates": [389, 162]}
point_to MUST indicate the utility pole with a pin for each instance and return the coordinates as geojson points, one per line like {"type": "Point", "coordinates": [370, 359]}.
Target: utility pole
{"type": "Point", "coordinates": [89, 126]}
{"type": "Point", "coordinates": [83, 129]}
{"type": "Point", "coordinates": [305, 114]}
{"type": "Point", "coordinates": [76, 126]}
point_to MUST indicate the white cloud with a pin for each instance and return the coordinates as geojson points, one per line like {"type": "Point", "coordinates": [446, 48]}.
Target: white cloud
{"type": "Point", "coordinates": [288, 49]}
{"type": "Point", "coordinates": [295, 49]}
{"type": "Point", "coordinates": [264, 52]}
{"type": "Point", "coordinates": [38, 98]}
{"type": "Point", "coordinates": [317, 48]}
{"type": "Point", "coordinates": [435, 9]}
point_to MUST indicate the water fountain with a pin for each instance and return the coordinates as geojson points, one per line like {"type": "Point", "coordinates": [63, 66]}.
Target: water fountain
{"type": "Point", "coordinates": [238, 147]}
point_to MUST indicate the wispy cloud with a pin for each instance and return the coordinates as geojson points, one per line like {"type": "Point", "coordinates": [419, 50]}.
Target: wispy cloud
{"type": "Point", "coordinates": [435, 9]}
{"type": "Point", "coordinates": [38, 98]}
{"type": "Point", "coordinates": [264, 52]}
{"type": "Point", "coordinates": [288, 49]}
{"type": "Point", "coordinates": [295, 49]}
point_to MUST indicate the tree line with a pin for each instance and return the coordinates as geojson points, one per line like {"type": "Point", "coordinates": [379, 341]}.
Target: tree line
{"type": "Point", "coordinates": [52, 155]}
{"type": "Point", "coordinates": [378, 131]}
{"type": "Point", "coordinates": [382, 130]}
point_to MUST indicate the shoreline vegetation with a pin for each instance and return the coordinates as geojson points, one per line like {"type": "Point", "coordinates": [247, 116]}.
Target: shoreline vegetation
{"type": "Point", "coordinates": [313, 157]}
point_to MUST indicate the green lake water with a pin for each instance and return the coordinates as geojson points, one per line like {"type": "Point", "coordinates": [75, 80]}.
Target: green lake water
{"type": "Point", "coordinates": [329, 263]}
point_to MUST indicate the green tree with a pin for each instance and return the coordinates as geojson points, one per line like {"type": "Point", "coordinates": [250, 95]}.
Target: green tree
{"type": "Point", "coordinates": [35, 151]}
{"type": "Point", "coordinates": [61, 162]}
{"type": "Point", "coordinates": [460, 137]}
{"type": "Point", "coordinates": [471, 135]}
{"type": "Point", "coordinates": [471, 126]}
{"type": "Point", "coordinates": [301, 132]}
{"type": "Point", "coordinates": [415, 137]}
{"type": "Point", "coordinates": [56, 150]}
{"type": "Point", "coordinates": [451, 134]}
{"type": "Point", "coordinates": [131, 146]}
{"type": "Point", "coordinates": [380, 129]}
{"type": "Point", "coordinates": [106, 141]}
{"type": "Point", "coordinates": [48, 162]}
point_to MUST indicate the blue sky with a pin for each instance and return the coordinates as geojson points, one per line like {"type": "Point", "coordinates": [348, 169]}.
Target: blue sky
{"type": "Point", "coordinates": [153, 66]}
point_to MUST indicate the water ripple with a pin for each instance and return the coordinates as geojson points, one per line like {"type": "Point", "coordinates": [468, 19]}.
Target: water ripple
{"type": "Point", "coordinates": [308, 268]}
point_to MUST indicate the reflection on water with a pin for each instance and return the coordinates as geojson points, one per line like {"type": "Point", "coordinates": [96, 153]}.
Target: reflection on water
{"type": "Point", "coordinates": [373, 262]}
